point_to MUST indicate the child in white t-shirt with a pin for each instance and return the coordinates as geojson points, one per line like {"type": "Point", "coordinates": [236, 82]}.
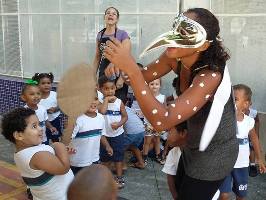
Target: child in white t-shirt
{"type": "Point", "coordinates": [246, 130]}
{"type": "Point", "coordinates": [115, 116]}
{"type": "Point", "coordinates": [31, 96]}
{"type": "Point", "coordinates": [87, 135]}
{"type": "Point", "coordinates": [49, 101]}
{"type": "Point", "coordinates": [44, 169]}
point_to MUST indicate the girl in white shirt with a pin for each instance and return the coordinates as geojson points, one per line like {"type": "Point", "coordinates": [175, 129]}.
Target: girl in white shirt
{"type": "Point", "coordinates": [49, 101]}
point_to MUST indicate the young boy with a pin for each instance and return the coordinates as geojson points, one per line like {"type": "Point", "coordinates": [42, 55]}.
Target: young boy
{"type": "Point", "coordinates": [87, 135]}
{"type": "Point", "coordinates": [93, 182]}
{"type": "Point", "coordinates": [44, 169]}
{"type": "Point", "coordinates": [246, 130]}
{"type": "Point", "coordinates": [134, 136]}
{"type": "Point", "coordinates": [115, 116]}
{"type": "Point", "coordinates": [31, 95]}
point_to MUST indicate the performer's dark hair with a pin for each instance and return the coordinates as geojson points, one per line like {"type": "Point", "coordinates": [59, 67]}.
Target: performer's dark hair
{"type": "Point", "coordinates": [103, 79]}
{"type": "Point", "coordinates": [15, 120]}
{"type": "Point", "coordinates": [247, 90]}
{"type": "Point", "coordinates": [215, 56]}
{"type": "Point", "coordinates": [38, 76]}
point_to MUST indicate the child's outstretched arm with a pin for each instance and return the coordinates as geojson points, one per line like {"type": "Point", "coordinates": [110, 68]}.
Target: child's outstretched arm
{"type": "Point", "coordinates": [255, 141]}
{"type": "Point", "coordinates": [57, 164]}
{"type": "Point", "coordinates": [123, 111]}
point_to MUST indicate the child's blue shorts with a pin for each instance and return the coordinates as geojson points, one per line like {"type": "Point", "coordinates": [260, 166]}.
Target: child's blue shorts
{"type": "Point", "coordinates": [236, 181]}
{"type": "Point", "coordinates": [134, 139]}
{"type": "Point", "coordinates": [117, 143]}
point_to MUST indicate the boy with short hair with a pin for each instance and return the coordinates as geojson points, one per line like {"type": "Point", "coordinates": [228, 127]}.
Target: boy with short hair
{"type": "Point", "coordinates": [44, 169]}
{"type": "Point", "coordinates": [93, 182]}
{"type": "Point", "coordinates": [115, 116]}
{"type": "Point", "coordinates": [246, 130]}
{"type": "Point", "coordinates": [87, 135]}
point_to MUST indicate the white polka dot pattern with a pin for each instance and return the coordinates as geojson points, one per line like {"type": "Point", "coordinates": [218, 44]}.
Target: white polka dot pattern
{"type": "Point", "coordinates": [202, 75]}
{"type": "Point", "coordinates": [145, 68]}
{"type": "Point", "coordinates": [154, 111]}
{"type": "Point", "coordinates": [214, 74]}
{"type": "Point", "coordinates": [143, 92]}
{"type": "Point", "coordinates": [166, 114]}
{"type": "Point", "coordinates": [207, 96]}
{"type": "Point", "coordinates": [159, 123]}
{"type": "Point", "coordinates": [191, 85]}
{"type": "Point", "coordinates": [173, 105]}
{"type": "Point", "coordinates": [195, 108]}
{"type": "Point", "coordinates": [187, 101]}
{"type": "Point", "coordinates": [157, 61]}
{"type": "Point", "coordinates": [154, 73]}
{"type": "Point", "coordinates": [201, 84]}
{"type": "Point", "coordinates": [179, 116]}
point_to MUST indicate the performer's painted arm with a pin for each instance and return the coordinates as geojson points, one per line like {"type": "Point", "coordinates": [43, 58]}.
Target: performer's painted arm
{"type": "Point", "coordinates": [192, 99]}
{"type": "Point", "coordinates": [158, 68]}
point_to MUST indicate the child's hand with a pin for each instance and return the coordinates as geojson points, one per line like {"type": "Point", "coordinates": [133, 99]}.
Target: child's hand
{"type": "Point", "coordinates": [115, 125]}
{"type": "Point", "coordinates": [112, 99]}
{"type": "Point", "coordinates": [53, 130]}
{"type": "Point", "coordinates": [262, 167]}
{"type": "Point", "coordinates": [71, 150]}
{"type": "Point", "coordinates": [52, 110]}
{"type": "Point", "coordinates": [109, 150]}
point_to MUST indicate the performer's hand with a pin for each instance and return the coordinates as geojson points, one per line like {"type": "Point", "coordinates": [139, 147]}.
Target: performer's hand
{"type": "Point", "coordinates": [117, 54]}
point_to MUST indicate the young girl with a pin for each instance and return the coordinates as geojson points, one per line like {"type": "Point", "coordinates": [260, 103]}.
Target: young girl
{"type": "Point", "coordinates": [150, 132]}
{"type": "Point", "coordinates": [48, 100]}
{"type": "Point", "coordinates": [31, 96]}
{"type": "Point", "coordinates": [44, 169]}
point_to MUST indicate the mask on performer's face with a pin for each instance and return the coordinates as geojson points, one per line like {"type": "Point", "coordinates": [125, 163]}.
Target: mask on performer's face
{"type": "Point", "coordinates": [186, 33]}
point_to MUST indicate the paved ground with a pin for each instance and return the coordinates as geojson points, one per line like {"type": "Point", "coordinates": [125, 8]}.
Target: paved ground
{"type": "Point", "coordinates": [148, 184]}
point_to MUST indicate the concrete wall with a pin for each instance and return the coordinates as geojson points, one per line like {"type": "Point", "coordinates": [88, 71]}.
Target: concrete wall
{"type": "Point", "coordinates": [262, 133]}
